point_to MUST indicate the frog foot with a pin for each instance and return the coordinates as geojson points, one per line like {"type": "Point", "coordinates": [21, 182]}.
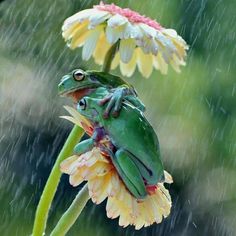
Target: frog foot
{"type": "Point", "coordinates": [114, 101]}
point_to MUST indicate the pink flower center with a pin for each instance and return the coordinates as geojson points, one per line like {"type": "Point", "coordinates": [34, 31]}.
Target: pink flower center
{"type": "Point", "coordinates": [132, 16]}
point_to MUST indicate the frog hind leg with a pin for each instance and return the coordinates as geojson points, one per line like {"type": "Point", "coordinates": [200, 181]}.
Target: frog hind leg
{"type": "Point", "coordinates": [129, 173]}
{"type": "Point", "coordinates": [135, 102]}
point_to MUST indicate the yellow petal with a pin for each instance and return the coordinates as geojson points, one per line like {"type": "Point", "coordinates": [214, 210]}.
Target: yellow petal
{"type": "Point", "coordinates": [129, 68]}
{"type": "Point", "coordinates": [163, 67]}
{"type": "Point", "coordinates": [76, 115]}
{"type": "Point", "coordinates": [115, 61]}
{"type": "Point", "coordinates": [77, 18]}
{"type": "Point", "coordinates": [76, 179]}
{"type": "Point", "coordinates": [69, 165]}
{"type": "Point", "coordinates": [72, 119]}
{"type": "Point", "coordinates": [71, 31]}
{"type": "Point", "coordinates": [101, 49]}
{"type": "Point", "coordinates": [101, 194]}
{"type": "Point", "coordinates": [111, 208]}
{"type": "Point", "coordinates": [79, 36]}
{"type": "Point", "coordinates": [144, 62]}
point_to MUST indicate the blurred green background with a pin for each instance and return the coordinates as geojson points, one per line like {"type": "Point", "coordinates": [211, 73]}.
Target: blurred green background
{"type": "Point", "coordinates": [194, 114]}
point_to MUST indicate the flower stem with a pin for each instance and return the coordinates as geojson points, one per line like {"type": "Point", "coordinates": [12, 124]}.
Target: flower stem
{"type": "Point", "coordinates": [72, 213]}
{"type": "Point", "coordinates": [109, 57]}
{"type": "Point", "coordinates": [53, 181]}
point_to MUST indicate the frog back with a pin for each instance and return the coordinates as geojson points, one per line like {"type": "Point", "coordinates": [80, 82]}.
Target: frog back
{"type": "Point", "coordinates": [132, 132]}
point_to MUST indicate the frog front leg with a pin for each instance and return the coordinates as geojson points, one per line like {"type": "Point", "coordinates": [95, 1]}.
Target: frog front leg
{"type": "Point", "coordinates": [115, 99]}
{"type": "Point", "coordinates": [128, 172]}
{"type": "Point", "coordinates": [89, 144]}
{"type": "Point", "coordinates": [84, 146]}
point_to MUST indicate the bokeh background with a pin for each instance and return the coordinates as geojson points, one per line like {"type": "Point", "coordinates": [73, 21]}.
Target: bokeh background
{"type": "Point", "coordinates": [194, 114]}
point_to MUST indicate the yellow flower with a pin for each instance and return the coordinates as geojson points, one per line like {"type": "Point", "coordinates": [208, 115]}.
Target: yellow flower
{"type": "Point", "coordinates": [142, 41]}
{"type": "Point", "coordinates": [104, 182]}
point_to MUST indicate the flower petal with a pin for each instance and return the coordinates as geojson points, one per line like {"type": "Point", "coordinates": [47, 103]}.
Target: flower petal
{"type": "Point", "coordinates": [149, 31]}
{"type": "Point", "coordinates": [69, 165]}
{"type": "Point", "coordinates": [112, 34]}
{"type": "Point", "coordinates": [144, 62]}
{"type": "Point", "coordinates": [126, 49]}
{"type": "Point", "coordinates": [77, 18]}
{"type": "Point", "coordinates": [168, 177]}
{"type": "Point", "coordinates": [91, 42]}
{"type": "Point", "coordinates": [115, 61]}
{"type": "Point", "coordinates": [116, 20]}
{"type": "Point", "coordinates": [129, 68]}
{"type": "Point", "coordinates": [98, 18]}
{"type": "Point", "coordinates": [76, 179]}
{"type": "Point", "coordinates": [78, 36]}
{"type": "Point", "coordinates": [101, 49]}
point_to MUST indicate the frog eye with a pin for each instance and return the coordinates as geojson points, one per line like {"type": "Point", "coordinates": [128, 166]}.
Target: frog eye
{"type": "Point", "coordinates": [78, 75]}
{"type": "Point", "coordinates": [82, 104]}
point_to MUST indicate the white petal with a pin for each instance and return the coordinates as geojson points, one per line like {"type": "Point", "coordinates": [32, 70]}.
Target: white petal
{"type": "Point", "coordinates": [150, 46]}
{"type": "Point", "coordinates": [112, 35]}
{"type": "Point", "coordinates": [90, 43]}
{"type": "Point", "coordinates": [126, 49]}
{"type": "Point", "coordinates": [168, 177]}
{"type": "Point", "coordinates": [172, 33]}
{"type": "Point", "coordinates": [98, 18]}
{"type": "Point", "coordinates": [134, 31]}
{"type": "Point", "coordinates": [148, 30]}
{"type": "Point", "coordinates": [116, 20]}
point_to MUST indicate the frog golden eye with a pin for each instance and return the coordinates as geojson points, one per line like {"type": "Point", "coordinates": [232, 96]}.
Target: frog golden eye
{"type": "Point", "coordinates": [78, 75]}
{"type": "Point", "coordinates": [82, 104]}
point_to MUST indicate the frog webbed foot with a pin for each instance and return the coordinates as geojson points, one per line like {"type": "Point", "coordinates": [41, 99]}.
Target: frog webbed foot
{"type": "Point", "coordinates": [114, 100]}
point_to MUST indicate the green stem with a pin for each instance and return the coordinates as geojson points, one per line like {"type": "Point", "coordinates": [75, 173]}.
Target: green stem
{"type": "Point", "coordinates": [72, 213]}
{"type": "Point", "coordinates": [53, 181]}
{"type": "Point", "coordinates": [109, 57]}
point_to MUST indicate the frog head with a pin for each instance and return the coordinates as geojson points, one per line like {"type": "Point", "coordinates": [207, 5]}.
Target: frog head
{"type": "Point", "coordinates": [77, 80]}
{"type": "Point", "coordinates": [90, 108]}
{"type": "Point", "coordinates": [79, 83]}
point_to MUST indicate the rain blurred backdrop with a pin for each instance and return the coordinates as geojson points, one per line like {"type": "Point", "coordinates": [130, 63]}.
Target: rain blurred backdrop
{"type": "Point", "coordinates": [193, 112]}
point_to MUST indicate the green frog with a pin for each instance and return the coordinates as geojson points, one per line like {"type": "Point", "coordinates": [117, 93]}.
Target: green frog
{"type": "Point", "coordinates": [129, 140]}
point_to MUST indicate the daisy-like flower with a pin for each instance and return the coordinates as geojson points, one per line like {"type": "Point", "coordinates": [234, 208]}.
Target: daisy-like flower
{"type": "Point", "coordinates": [141, 41]}
{"type": "Point", "coordinates": [104, 183]}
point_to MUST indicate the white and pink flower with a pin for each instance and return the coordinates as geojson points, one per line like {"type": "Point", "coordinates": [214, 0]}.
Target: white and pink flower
{"type": "Point", "coordinates": [142, 41]}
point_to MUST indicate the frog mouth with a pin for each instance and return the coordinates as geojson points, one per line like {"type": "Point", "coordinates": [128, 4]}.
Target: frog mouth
{"type": "Point", "coordinates": [66, 93]}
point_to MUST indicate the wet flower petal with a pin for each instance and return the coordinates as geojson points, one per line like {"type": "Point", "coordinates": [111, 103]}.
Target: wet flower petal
{"type": "Point", "coordinates": [126, 49]}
